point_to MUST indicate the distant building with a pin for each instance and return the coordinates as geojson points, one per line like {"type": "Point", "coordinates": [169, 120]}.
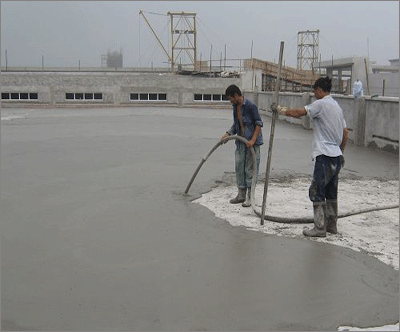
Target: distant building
{"type": "Point", "coordinates": [376, 79]}
{"type": "Point", "coordinates": [112, 60]}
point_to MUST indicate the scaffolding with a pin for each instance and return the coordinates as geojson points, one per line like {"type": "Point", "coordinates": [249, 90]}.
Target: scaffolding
{"type": "Point", "coordinates": [291, 79]}
{"type": "Point", "coordinates": [183, 39]}
{"type": "Point", "coordinates": [307, 49]}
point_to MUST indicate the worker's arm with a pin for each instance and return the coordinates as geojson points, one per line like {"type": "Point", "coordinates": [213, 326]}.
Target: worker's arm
{"type": "Point", "coordinates": [344, 140]}
{"type": "Point", "coordinates": [253, 140]}
{"type": "Point", "coordinates": [294, 113]}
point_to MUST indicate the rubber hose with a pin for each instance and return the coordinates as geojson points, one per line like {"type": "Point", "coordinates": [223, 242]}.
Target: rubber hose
{"type": "Point", "coordinates": [303, 220]}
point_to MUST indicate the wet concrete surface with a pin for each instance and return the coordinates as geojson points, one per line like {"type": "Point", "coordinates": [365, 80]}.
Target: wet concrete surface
{"type": "Point", "coordinates": [96, 233]}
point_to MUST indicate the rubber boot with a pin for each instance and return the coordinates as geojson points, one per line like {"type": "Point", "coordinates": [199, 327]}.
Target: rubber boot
{"type": "Point", "coordinates": [319, 229]}
{"type": "Point", "coordinates": [331, 211]}
{"type": "Point", "coordinates": [247, 203]}
{"type": "Point", "coordinates": [240, 198]}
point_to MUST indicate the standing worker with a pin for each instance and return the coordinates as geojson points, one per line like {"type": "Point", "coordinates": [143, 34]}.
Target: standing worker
{"type": "Point", "coordinates": [247, 123]}
{"type": "Point", "coordinates": [357, 89]}
{"type": "Point", "coordinates": [329, 142]}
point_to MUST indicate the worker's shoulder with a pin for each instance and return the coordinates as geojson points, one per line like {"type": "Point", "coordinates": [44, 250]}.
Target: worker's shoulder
{"type": "Point", "coordinates": [249, 103]}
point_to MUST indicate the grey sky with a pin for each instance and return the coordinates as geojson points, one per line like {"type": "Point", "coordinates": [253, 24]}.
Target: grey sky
{"type": "Point", "coordinates": [66, 32]}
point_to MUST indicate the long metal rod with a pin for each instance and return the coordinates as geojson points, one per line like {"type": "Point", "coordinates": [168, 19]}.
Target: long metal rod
{"type": "Point", "coordinates": [272, 133]}
{"type": "Point", "coordinates": [155, 35]}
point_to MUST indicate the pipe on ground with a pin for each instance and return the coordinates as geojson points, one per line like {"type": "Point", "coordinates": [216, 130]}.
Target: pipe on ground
{"type": "Point", "coordinates": [304, 220]}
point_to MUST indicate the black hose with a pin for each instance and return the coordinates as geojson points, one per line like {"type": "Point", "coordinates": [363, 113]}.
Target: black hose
{"type": "Point", "coordinates": [302, 220]}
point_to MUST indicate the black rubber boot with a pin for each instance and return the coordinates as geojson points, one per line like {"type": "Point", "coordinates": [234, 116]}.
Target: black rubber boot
{"type": "Point", "coordinates": [240, 198]}
{"type": "Point", "coordinates": [319, 229]}
{"type": "Point", "coordinates": [247, 203]}
{"type": "Point", "coordinates": [331, 211]}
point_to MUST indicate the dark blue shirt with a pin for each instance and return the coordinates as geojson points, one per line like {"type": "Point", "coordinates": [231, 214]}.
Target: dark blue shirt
{"type": "Point", "coordinates": [251, 118]}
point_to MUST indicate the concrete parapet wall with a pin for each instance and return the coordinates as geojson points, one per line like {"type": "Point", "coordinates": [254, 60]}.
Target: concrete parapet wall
{"type": "Point", "coordinates": [114, 87]}
{"type": "Point", "coordinates": [372, 122]}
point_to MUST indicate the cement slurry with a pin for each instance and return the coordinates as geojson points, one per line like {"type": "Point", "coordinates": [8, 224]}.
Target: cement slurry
{"type": "Point", "coordinates": [96, 233]}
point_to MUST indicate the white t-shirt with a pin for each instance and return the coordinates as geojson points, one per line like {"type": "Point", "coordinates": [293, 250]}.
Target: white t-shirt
{"type": "Point", "coordinates": [328, 122]}
{"type": "Point", "coordinates": [357, 89]}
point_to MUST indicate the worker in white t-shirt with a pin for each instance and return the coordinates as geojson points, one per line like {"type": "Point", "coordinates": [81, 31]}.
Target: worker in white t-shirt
{"type": "Point", "coordinates": [329, 142]}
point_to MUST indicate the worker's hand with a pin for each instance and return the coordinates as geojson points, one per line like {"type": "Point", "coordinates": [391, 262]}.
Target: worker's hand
{"type": "Point", "coordinates": [250, 144]}
{"type": "Point", "coordinates": [342, 161]}
{"type": "Point", "coordinates": [224, 138]}
{"type": "Point", "coordinates": [278, 108]}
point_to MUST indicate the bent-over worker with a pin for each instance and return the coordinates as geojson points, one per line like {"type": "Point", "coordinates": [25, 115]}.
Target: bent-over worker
{"type": "Point", "coordinates": [247, 123]}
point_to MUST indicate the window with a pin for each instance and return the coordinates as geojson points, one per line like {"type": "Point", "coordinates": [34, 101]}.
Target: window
{"type": "Point", "coordinates": [19, 95]}
{"type": "Point", "coordinates": [210, 97]}
{"type": "Point", "coordinates": [148, 96]}
{"type": "Point", "coordinates": [83, 96]}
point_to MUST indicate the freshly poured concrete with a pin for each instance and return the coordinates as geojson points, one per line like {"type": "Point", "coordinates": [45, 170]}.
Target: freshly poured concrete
{"type": "Point", "coordinates": [96, 233]}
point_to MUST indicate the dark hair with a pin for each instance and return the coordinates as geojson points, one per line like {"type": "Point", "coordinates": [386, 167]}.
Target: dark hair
{"type": "Point", "coordinates": [232, 90]}
{"type": "Point", "coordinates": [325, 83]}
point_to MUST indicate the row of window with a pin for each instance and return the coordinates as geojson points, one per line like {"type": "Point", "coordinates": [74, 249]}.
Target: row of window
{"type": "Point", "coordinates": [19, 95]}
{"type": "Point", "coordinates": [148, 96]}
{"type": "Point", "coordinates": [210, 97]}
{"type": "Point", "coordinates": [99, 96]}
{"type": "Point", "coordinates": [83, 96]}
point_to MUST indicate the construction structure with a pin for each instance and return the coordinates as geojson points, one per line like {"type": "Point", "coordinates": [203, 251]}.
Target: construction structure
{"type": "Point", "coordinates": [380, 80]}
{"type": "Point", "coordinates": [291, 79]}
{"type": "Point", "coordinates": [307, 49]}
{"type": "Point", "coordinates": [183, 40]}
{"type": "Point", "coordinates": [183, 53]}
{"type": "Point", "coordinates": [112, 59]}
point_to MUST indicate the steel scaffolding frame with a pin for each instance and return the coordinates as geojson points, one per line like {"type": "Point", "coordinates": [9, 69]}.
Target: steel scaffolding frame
{"type": "Point", "coordinates": [307, 49]}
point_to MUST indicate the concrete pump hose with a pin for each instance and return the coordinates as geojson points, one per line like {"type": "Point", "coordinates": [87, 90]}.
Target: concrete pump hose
{"type": "Point", "coordinates": [304, 220]}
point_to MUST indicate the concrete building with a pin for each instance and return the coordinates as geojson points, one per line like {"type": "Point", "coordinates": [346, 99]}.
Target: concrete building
{"type": "Point", "coordinates": [376, 79]}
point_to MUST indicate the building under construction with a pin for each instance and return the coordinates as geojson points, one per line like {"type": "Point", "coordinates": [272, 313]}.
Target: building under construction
{"type": "Point", "coordinates": [112, 59]}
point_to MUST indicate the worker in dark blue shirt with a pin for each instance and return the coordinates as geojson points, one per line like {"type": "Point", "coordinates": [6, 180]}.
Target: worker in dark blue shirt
{"type": "Point", "coordinates": [247, 123]}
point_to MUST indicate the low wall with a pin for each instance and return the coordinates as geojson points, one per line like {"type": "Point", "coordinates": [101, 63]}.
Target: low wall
{"type": "Point", "coordinates": [113, 89]}
{"type": "Point", "coordinates": [372, 122]}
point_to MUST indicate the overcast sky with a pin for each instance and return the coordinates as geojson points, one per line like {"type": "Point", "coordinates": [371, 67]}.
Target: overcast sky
{"type": "Point", "coordinates": [65, 33]}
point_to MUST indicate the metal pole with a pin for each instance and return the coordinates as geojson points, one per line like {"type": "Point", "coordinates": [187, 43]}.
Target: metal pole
{"type": "Point", "coordinates": [155, 35]}
{"type": "Point", "coordinates": [225, 59]}
{"type": "Point", "coordinates": [366, 74]}
{"type": "Point", "coordinates": [210, 58]}
{"type": "Point", "coordinates": [252, 67]}
{"type": "Point", "coordinates": [383, 90]}
{"type": "Point", "coordinates": [42, 62]}
{"type": "Point", "coordinates": [272, 133]}
{"type": "Point", "coordinates": [6, 61]}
